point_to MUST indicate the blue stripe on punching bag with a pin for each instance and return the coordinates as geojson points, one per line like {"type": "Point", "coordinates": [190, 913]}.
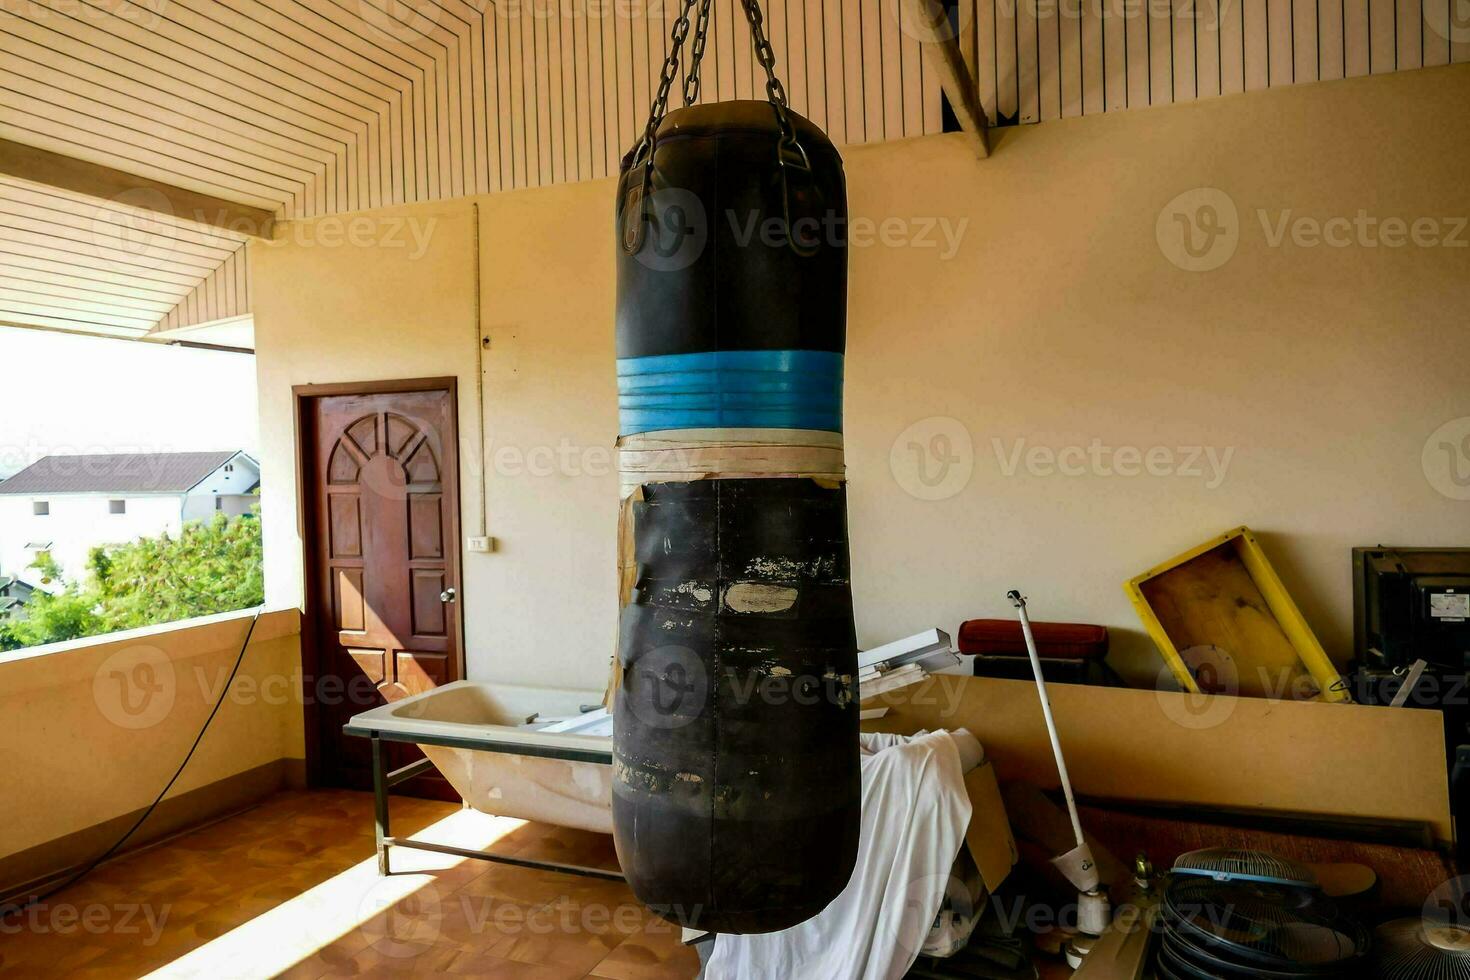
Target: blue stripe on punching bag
{"type": "Point", "coordinates": [748, 389]}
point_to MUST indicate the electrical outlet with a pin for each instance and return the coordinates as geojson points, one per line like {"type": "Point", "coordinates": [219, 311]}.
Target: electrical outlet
{"type": "Point", "coordinates": [482, 545]}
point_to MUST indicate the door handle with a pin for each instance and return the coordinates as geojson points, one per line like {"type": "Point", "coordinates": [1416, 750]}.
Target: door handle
{"type": "Point", "coordinates": [448, 595]}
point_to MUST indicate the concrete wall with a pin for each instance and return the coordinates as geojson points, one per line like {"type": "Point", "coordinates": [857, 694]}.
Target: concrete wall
{"type": "Point", "coordinates": [1047, 387]}
{"type": "Point", "coordinates": [78, 523]}
{"type": "Point", "coordinates": [203, 506]}
{"type": "Point", "coordinates": [99, 725]}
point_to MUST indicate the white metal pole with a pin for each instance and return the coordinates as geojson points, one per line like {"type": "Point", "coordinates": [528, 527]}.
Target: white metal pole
{"type": "Point", "coordinates": [1051, 726]}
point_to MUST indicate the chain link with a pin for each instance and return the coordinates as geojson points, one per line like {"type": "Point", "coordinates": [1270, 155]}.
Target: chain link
{"type": "Point", "coordinates": [767, 57]}
{"type": "Point", "coordinates": [764, 53]}
{"type": "Point", "coordinates": [678, 36]}
{"type": "Point", "coordinates": [701, 34]}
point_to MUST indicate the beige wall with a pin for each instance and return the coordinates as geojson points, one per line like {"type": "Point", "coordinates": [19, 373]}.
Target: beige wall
{"type": "Point", "coordinates": [96, 728]}
{"type": "Point", "coordinates": [1058, 321]}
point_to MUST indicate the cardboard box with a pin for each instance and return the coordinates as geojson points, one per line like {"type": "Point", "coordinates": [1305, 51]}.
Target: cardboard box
{"type": "Point", "coordinates": [989, 838]}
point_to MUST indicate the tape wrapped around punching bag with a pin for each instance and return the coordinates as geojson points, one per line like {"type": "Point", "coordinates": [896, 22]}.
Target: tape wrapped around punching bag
{"type": "Point", "coordinates": [736, 797]}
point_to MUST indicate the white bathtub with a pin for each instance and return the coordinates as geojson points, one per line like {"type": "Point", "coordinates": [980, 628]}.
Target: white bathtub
{"type": "Point", "coordinates": [522, 752]}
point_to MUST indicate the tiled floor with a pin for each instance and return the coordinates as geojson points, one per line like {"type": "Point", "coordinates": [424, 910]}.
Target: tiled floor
{"type": "Point", "coordinates": [291, 888]}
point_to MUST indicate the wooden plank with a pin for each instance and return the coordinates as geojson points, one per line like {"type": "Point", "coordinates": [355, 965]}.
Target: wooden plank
{"type": "Point", "coordinates": [582, 95]}
{"type": "Point", "coordinates": [1257, 46]}
{"type": "Point", "coordinates": [68, 293]}
{"type": "Point", "coordinates": [1305, 40]}
{"type": "Point", "coordinates": [1331, 65]}
{"type": "Point", "coordinates": [892, 48]}
{"type": "Point", "coordinates": [1183, 62]}
{"type": "Point", "coordinates": [1049, 59]}
{"type": "Point", "coordinates": [1160, 30]}
{"type": "Point", "coordinates": [1028, 79]}
{"type": "Point", "coordinates": [1357, 43]}
{"type": "Point", "coordinates": [557, 110]}
{"type": "Point", "coordinates": [814, 53]}
{"type": "Point", "coordinates": [1092, 58]}
{"type": "Point", "coordinates": [1232, 46]}
{"type": "Point", "coordinates": [1383, 45]}
{"type": "Point", "coordinates": [1411, 32]}
{"type": "Point", "coordinates": [1115, 21]}
{"type": "Point", "coordinates": [604, 68]}
{"type": "Point", "coordinates": [853, 75]}
{"type": "Point", "coordinates": [1457, 25]}
{"type": "Point", "coordinates": [834, 53]}
{"type": "Point", "coordinates": [1286, 757]}
{"type": "Point", "coordinates": [522, 124]}
{"type": "Point", "coordinates": [113, 99]}
{"type": "Point", "coordinates": [55, 170]}
{"type": "Point", "coordinates": [986, 58]}
{"type": "Point", "coordinates": [1208, 46]}
{"type": "Point", "coordinates": [943, 57]}
{"type": "Point", "coordinates": [870, 29]}
{"type": "Point", "coordinates": [1139, 58]}
{"type": "Point", "coordinates": [1437, 15]}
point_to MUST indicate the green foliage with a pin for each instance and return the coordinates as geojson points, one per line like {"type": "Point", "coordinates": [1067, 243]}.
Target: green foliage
{"type": "Point", "coordinates": [211, 567]}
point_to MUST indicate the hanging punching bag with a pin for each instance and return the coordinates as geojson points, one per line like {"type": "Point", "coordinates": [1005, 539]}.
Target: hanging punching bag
{"type": "Point", "coordinates": [736, 788]}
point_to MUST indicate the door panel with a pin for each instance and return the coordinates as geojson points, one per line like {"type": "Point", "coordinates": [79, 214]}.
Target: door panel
{"type": "Point", "coordinates": [381, 481]}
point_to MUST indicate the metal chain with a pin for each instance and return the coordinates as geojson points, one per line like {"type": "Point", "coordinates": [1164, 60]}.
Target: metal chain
{"type": "Point", "coordinates": [767, 57]}
{"type": "Point", "coordinates": [701, 34]}
{"type": "Point", "coordinates": [678, 36]}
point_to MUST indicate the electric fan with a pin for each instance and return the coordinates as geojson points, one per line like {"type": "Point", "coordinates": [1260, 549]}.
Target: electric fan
{"type": "Point", "coordinates": [1255, 930]}
{"type": "Point", "coordinates": [1421, 949]}
{"type": "Point", "coordinates": [1227, 864]}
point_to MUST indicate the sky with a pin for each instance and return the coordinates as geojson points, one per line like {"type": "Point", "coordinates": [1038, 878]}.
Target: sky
{"type": "Point", "coordinates": [67, 394]}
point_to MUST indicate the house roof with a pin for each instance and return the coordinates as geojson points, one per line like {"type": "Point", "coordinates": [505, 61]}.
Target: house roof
{"type": "Point", "coordinates": [116, 473]}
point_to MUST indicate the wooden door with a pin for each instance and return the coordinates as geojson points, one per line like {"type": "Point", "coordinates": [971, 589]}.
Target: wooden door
{"type": "Point", "coordinates": [381, 481]}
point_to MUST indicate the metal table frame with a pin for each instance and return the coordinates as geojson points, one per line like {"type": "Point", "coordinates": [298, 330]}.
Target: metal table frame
{"type": "Point", "coordinates": [384, 780]}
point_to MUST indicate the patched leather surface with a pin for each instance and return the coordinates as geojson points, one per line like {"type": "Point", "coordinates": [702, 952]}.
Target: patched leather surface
{"type": "Point", "coordinates": [737, 790]}
{"type": "Point", "coordinates": [739, 289]}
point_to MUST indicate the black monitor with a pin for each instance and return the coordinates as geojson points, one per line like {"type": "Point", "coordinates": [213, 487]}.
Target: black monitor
{"type": "Point", "coordinates": [1412, 604]}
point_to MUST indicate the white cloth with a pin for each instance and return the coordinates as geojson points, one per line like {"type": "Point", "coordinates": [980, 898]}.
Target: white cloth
{"type": "Point", "coordinates": [915, 812]}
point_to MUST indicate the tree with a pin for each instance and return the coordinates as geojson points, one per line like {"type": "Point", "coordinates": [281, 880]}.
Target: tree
{"type": "Point", "coordinates": [211, 567]}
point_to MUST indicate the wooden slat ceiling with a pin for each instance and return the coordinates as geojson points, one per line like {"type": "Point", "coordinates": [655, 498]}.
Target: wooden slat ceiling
{"type": "Point", "coordinates": [312, 107]}
{"type": "Point", "coordinates": [76, 263]}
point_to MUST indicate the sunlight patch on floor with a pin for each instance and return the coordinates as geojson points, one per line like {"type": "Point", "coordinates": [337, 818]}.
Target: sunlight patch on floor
{"type": "Point", "coordinates": [356, 908]}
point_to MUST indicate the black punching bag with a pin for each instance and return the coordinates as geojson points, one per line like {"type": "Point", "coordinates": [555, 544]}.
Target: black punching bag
{"type": "Point", "coordinates": [736, 795]}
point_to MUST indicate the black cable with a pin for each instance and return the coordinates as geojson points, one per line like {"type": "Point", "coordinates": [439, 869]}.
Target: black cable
{"type": "Point", "coordinates": [78, 876]}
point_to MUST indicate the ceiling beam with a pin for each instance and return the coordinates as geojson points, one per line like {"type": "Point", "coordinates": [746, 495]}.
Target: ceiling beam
{"type": "Point", "coordinates": [40, 166]}
{"type": "Point", "coordinates": [927, 21]}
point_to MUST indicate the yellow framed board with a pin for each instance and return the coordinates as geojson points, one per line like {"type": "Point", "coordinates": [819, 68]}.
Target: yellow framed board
{"type": "Point", "coordinates": [1225, 624]}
